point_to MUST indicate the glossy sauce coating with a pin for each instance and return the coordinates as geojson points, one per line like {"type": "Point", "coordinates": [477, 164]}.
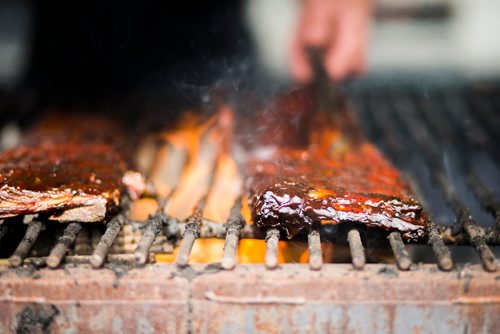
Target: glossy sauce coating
{"type": "Point", "coordinates": [65, 162]}
{"type": "Point", "coordinates": [337, 176]}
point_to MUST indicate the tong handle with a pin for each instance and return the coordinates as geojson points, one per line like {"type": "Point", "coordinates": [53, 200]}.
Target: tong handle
{"type": "Point", "coordinates": [316, 60]}
{"type": "Point", "coordinates": [327, 89]}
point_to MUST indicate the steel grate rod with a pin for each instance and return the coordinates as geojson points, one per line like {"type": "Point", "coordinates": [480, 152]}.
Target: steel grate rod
{"type": "Point", "coordinates": [482, 127]}
{"type": "Point", "coordinates": [445, 133]}
{"type": "Point", "coordinates": [315, 252]}
{"type": "Point", "coordinates": [191, 233]}
{"type": "Point", "coordinates": [476, 238]}
{"type": "Point", "coordinates": [421, 135]}
{"type": "Point", "coordinates": [403, 259]}
{"type": "Point", "coordinates": [153, 228]}
{"type": "Point", "coordinates": [442, 253]}
{"type": "Point", "coordinates": [464, 218]}
{"type": "Point", "coordinates": [357, 249]}
{"type": "Point", "coordinates": [486, 197]}
{"type": "Point", "coordinates": [24, 247]}
{"type": "Point", "coordinates": [171, 171]}
{"type": "Point", "coordinates": [85, 259]}
{"type": "Point", "coordinates": [185, 248]}
{"type": "Point", "coordinates": [483, 111]}
{"type": "Point", "coordinates": [271, 257]}
{"type": "Point", "coordinates": [481, 116]}
{"type": "Point", "coordinates": [154, 225]}
{"type": "Point", "coordinates": [65, 241]}
{"type": "Point", "coordinates": [234, 224]}
{"type": "Point", "coordinates": [211, 229]}
{"type": "Point", "coordinates": [108, 238]}
{"type": "Point", "coordinates": [194, 223]}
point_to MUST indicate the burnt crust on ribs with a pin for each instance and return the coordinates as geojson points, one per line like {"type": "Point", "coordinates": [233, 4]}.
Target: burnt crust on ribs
{"type": "Point", "coordinates": [69, 166]}
{"type": "Point", "coordinates": [336, 176]}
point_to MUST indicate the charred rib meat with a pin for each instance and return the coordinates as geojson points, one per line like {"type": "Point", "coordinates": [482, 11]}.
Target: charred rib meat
{"type": "Point", "coordinates": [334, 176]}
{"type": "Point", "coordinates": [68, 166]}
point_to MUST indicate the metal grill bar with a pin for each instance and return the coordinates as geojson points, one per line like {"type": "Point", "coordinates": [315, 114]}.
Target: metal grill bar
{"type": "Point", "coordinates": [185, 248]}
{"type": "Point", "coordinates": [85, 259]}
{"type": "Point", "coordinates": [234, 224]}
{"type": "Point", "coordinates": [32, 233]}
{"type": "Point", "coordinates": [420, 138]}
{"type": "Point", "coordinates": [443, 254]}
{"type": "Point", "coordinates": [65, 241]}
{"type": "Point", "coordinates": [483, 110]}
{"type": "Point", "coordinates": [403, 259]}
{"type": "Point", "coordinates": [485, 196]}
{"type": "Point", "coordinates": [476, 238]}
{"type": "Point", "coordinates": [191, 233]}
{"type": "Point", "coordinates": [483, 126]}
{"type": "Point", "coordinates": [446, 134]}
{"type": "Point", "coordinates": [210, 229]}
{"type": "Point", "coordinates": [108, 238]}
{"type": "Point", "coordinates": [173, 170]}
{"type": "Point", "coordinates": [230, 248]}
{"type": "Point", "coordinates": [194, 223]}
{"type": "Point", "coordinates": [481, 139]}
{"type": "Point", "coordinates": [153, 227]}
{"type": "Point", "coordinates": [315, 253]}
{"type": "Point", "coordinates": [272, 238]}
{"type": "Point", "coordinates": [357, 249]}
{"type": "Point", "coordinates": [434, 239]}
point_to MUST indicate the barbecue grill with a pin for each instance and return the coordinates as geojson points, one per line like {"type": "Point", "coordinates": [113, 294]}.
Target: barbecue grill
{"type": "Point", "coordinates": [443, 139]}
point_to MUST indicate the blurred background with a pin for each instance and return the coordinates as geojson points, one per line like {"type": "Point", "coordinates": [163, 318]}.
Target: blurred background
{"type": "Point", "coordinates": [408, 36]}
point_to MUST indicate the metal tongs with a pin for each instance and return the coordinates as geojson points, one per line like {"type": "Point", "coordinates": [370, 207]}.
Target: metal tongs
{"type": "Point", "coordinates": [329, 96]}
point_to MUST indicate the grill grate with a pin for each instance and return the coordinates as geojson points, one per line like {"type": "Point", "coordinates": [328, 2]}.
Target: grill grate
{"type": "Point", "coordinates": [439, 122]}
{"type": "Point", "coordinates": [400, 123]}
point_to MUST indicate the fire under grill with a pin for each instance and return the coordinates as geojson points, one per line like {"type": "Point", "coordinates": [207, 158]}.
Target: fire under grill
{"type": "Point", "coordinates": [444, 141]}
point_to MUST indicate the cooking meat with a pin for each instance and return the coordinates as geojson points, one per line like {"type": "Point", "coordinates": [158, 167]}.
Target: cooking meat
{"type": "Point", "coordinates": [68, 166]}
{"type": "Point", "coordinates": [335, 175]}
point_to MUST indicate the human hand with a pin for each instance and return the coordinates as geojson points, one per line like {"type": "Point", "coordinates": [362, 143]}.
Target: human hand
{"type": "Point", "coordinates": [339, 29]}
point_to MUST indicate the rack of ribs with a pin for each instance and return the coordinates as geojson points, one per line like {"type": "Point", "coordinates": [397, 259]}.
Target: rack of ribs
{"type": "Point", "coordinates": [70, 167]}
{"type": "Point", "coordinates": [309, 166]}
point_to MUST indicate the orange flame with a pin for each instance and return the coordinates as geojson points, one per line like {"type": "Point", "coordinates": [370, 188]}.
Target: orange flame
{"type": "Point", "coordinates": [185, 163]}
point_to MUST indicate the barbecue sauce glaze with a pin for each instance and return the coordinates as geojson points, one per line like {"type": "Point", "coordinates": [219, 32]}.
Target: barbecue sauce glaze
{"type": "Point", "coordinates": [322, 170]}
{"type": "Point", "coordinates": [65, 162]}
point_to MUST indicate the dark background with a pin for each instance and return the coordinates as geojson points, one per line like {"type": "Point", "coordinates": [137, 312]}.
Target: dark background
{"type": "Point", "coordinates": [107, 52]}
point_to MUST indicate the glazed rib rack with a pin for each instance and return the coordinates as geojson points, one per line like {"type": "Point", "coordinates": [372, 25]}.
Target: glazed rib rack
{"type": "Point", "coordinates": [423, 136]}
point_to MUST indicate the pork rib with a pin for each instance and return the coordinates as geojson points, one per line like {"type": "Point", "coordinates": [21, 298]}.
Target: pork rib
{"type": "Point", "coordinates": [334, 175]}
{"type": "Point", "coordinates": [68, 166]}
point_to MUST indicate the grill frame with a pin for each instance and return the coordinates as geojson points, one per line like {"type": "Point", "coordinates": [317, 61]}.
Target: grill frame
{"type": "Point", "coordinates": [293, 298]}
